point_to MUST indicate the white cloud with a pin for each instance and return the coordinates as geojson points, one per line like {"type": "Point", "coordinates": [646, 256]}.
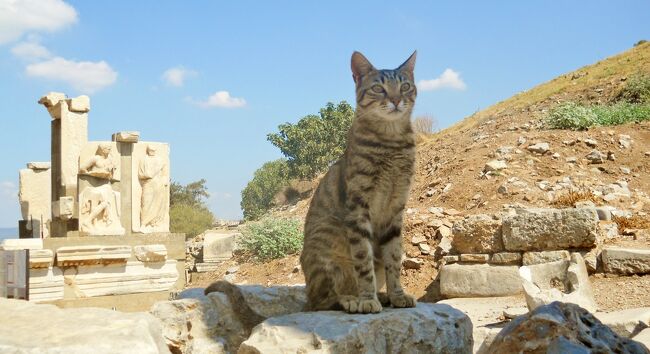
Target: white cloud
{"type": "Point", "coordinates": [449, 79]}
{"type": "Point", "coordinates": [20, 16]}
{"type": "Point", "coordinates": [30, 51]}
{"type": "Point", "coordinates": [85, 76]}
{"type": "Point", "coordinates": [177, 76]}
{"type": "Point", "coordinates": [221, 99]}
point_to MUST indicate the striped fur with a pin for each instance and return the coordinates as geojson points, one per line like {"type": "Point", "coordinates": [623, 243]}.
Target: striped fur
{"type": "Point", "coordinates": [353, 227]}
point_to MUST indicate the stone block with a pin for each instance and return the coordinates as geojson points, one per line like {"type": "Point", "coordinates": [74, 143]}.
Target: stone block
{"type": "Point", "coordinates": [90, 255]}
{"type": "Point", "coordinates": [126, 137]}
{"type": "Point", "coordinates": [206, 267]}
{"type": "Point", "coordinates": [530, 258]}
{"type": "Point", "coordinates": [474, 258]}
{"type": "Point", "coordinates": [219, 245]}
{"type": "Point", "coordinates": [63, 208]}
{"type": "Point", "coordinates": [39, 165]}
{"type": "Point", "coordinates": [47, 329]}
{"type": "Point", "coordinates": [35, 197]}
{"type": "Point", "coordinates": [566, 281]}
{"type": "Point", "coordinates": [427, 328]}
{"type": "Point", "coordinates": [116, 279]}
{"type": "Point", "coordinates": [79, 104]}
{"type": "Point", "coordinates": [41, 258]}
{"type": "Point", "coordinates": [477, 234]}
{"type": "Point", "coordinates": [150, 253]}
{"type": "Point", "coordinates": [45, 284]}
{"type": "Point", "coordinates": [626, 323]}
{"type": "Point", "coordinates": [550, 229]}
{"type": "Point", "coordinates": [626, 260]}
{"type": "Point", "coordinates": [479, 280]}
{"type": "Point", "coordinates": [15, 244]}
{"type": "Point", "coordinates": [506, 258]}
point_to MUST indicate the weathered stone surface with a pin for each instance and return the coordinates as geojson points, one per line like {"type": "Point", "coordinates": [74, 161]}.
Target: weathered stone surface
{"type": "Point", "coordinates": [451, 259]}
{"type": "Point", "coordinates": [51, 99]}
{"type": "Point", "coordinates": [206, 267]}
{"type": "Point", "coordinates": [45, 284]}
{"type": "Point", "coordinates": [475, 258]}
{"type": "Point", "coordinates": [219, 245]}
{"type": "Point", "coordinates": [477, 234]}
{"type": "Point", "coordinates": [150, 187]}
{"type": "Point", "coordinates": [539, 148]}
{"type": "Point", "coordinates": [35, 196]}
{"type": "Point", "coordinates": [479, 280]}
{"type": "Point", "coordinates": [558, 281]}
{"type": "Point", "coordinates": [14, 244]}
{"type": "Point", "coordinates": [41, 258]}
{"type": "Point", "coordinates": [626, 260]}
{"type": "Point", "coordinates": [495, 165]}
{"type": "Point", "coordinates": [215, 325]}
{"type": "Point", "coordinates": [530, 258]}
{"type": "Point", "coordinates": [626, 323]}
{"type": "Point", "coordinates": [79, 104]}
{"type": "Point", "coordinates": [506, 258]}
{"type": "Point", "coordinates": [549, 229]}
{"type": "Point", "coordinates": [39, 165]}
{"type": "Point", "coordinates": [63, 208]}
{"type": "Point", "coordinates": [561, 328]}
{"type": "Point", "coordinates": [116, 279]}
{"type": "Point", "coordinates": [80, 330]}
{"type": "Point", "coordinates": [150, 253]}
{"type": "Point", "coordinates": [90, 255]}
{"type": "Point", "coordinates": [126, 137]}
{"type": "Point", "coordinates": [427, 328]}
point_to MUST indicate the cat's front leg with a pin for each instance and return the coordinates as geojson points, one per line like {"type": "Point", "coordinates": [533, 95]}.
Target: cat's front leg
{"type": "Point", "coordinates": [391, 248]}
{"type": "Point", "coordinates": [359, 233]}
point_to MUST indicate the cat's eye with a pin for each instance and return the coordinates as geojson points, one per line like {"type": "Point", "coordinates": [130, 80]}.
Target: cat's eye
{"type": "Point", "coordinates": [377, 89]}
{"type": "Point", "coordinates": [405, 87]}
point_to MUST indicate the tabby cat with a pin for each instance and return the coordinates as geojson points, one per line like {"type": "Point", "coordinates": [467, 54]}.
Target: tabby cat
{"type": "Point", "coordinates": [353, 227]}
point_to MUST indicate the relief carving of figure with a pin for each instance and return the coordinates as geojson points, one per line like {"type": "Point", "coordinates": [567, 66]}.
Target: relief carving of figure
{"type": "Point", "coordinates": [152, 176]}
{"type": "Point", "coordinates": [99, 165]}
{"type": "Point", "coordinates": [100, 211]}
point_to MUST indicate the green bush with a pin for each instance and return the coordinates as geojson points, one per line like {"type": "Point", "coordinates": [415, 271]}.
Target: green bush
{"type": "Point", "coordinates": [268, 180]}
{"type": "Point", "coordinates": [571, 115]}
{"type": "Point", "coordinates": [636, 90]}
{"type": "Point", "coordinates": [189, 219]}
{"type": "Point", "coordinates": [315, 141]}
{"type": "Point", "coordinates": [271, 238]}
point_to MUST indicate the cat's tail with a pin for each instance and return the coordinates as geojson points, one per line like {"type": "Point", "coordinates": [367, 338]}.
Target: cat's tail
{"type": "Point", "coordinates": [246, 315]}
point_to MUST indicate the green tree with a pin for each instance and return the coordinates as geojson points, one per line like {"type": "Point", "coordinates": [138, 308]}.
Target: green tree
{"type": "Point", "coordinates": [315, 141]}
{"type": "Point", "coordinates": [188, 212]}
{"type": "Point", "coordinates": [267, 181]}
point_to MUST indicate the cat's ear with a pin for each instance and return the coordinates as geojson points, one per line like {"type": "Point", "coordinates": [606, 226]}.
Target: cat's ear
{"type": "Point", "coordinates": [360, 66]}
{"type": "Point", "coordinates": [409, 64]}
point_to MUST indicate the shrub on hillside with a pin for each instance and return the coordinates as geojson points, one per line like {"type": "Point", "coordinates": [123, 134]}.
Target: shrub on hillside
{"type": "Point", "coordinates": [271, 238]}
{"type": "Point", "coordinates": [636, 90]}
{"type": "Point", "coordinates": [268, 180]}
{"type": "Point", "coordinates": [188, 212]}
{"type": "Point", "coordinates": [621, 113]}
{"type": "Point", "coordinates": [571, 115]}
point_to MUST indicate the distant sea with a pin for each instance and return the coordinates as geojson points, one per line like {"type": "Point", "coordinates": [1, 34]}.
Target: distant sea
{"type": "Point", "coordinates": [8, 232]}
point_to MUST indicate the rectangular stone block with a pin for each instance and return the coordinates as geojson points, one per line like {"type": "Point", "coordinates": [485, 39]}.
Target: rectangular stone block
{"type": "Point", "coordinates": [45, 284]}
{"type": "Point", "coordinates": [626, 260]}
{"type": "Point", "coordinates": [15, 244]}
{"type": "Point", "coordinates": [475, 258]}
{"type": "Point", "coordinates": [41, 258]}
{"type": "Point", "coordinates": [477, 234]}
{"type": "Point", "coordinates": [550, 229]}
{"type": "Point", "coordinates": [126, 137]}
{"type": "Point", "coordinates": [531, 258]}
{"type": "Point", "coordinates": [91, 255]}
{"type": "Point", "coordinates": [35, 197]}
{"type": "Point", "coordinates": [63, 208]}
{"type": "Point", "coordinates": [129, 278]}
{"type": "Point", "coordinates": [479, 280]}
{"type": "Point", "coordinates": [506, 258]}
{"type": "Point", "coordinates": [219, 245]}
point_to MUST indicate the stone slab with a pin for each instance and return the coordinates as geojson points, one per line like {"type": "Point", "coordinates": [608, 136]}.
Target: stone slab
{"type": "Point", "coordinates": [92, 254]}
{"type": "Point", "coordinates": [550, 229]}
{"type": "Point", "coordinates": [513, 258]}
{"type": "Point", "coordinates": [626, 260]}
{"type": "Point", "coordinates": [477, 234]}
{"type": "Point", "coordinates": [34, 195]}
{"type": "Point", "coordinates": [150, 253]}
{"type": "Point", "coordinates": [530, 258]}
{"type": "Point", "coordinates": [41, 258]}
{"type": "Point", "coordinates": [626, 323]}
{"type": "Point", "coordinates": [15, 244]}
{"type": "Point", "coordinates": [480, 280]}
{"type": "Point", "coordinates": [219, 245]}
{"type": "Point", "coordinates": [45, 284]}
{"type": "Point", "coordinates": [126, 137]}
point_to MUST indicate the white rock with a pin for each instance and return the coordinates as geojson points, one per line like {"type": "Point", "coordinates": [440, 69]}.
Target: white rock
{"type": "Point", "coordinates": [479, 280]}
{"type": "Point", "coordinates": [78, 330]}
{"type": "Point", "coordinates": [79, 104]}
{"type": "Point", "coordinates": [427, 328]}
{"type": "Point", "coordinates": [626, 260]}
{"type": "Point", "coordinates": [626, 323]}
{"type": "Point", "coordinates": [126, 137]}
{"type": "Point", "coordinates": [150, 253]}
{"type": "Point", "coordinates": [218, 245]}
{"type": "Point", "coordinates": [495, 165]}
{"type": "Point", "coordinates": [15, 244]}
{"type": "Point", "coordinates": [539, 148]}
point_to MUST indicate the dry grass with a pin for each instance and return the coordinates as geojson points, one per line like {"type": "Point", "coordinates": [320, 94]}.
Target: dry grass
{"type": "Point", "coordinates": [633, 222]}
{"type": "Point", "coordinates": [570, 198]}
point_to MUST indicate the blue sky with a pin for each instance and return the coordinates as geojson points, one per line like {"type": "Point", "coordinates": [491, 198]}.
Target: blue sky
{"type": "Point", "coordinates": [212, 78]}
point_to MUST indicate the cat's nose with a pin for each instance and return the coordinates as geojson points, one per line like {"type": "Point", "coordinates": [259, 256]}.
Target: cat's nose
{"type": "Point", "coordinates": [396, 101]}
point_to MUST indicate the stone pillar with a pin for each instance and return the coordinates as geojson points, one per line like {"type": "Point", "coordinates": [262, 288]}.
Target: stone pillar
{"type": "Point", "coordinates": [35, 200]}
{"type": "Point", "coordinates": [125, 142]}
{"type": "Point", "coordinates": [69, 135]}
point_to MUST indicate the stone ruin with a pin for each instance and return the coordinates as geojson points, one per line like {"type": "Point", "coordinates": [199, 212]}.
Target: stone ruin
{"type": "Point", "coordinates": [96, 218]}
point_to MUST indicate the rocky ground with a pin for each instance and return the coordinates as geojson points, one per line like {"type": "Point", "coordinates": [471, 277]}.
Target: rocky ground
{"type": "Point", "coordinates": [504, 156]}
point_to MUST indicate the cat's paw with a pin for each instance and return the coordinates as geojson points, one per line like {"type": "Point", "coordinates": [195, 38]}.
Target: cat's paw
{"type": "Point", "coordinates": [352, 304]}
{"type": "Point", "coordinates": [402, 300]}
